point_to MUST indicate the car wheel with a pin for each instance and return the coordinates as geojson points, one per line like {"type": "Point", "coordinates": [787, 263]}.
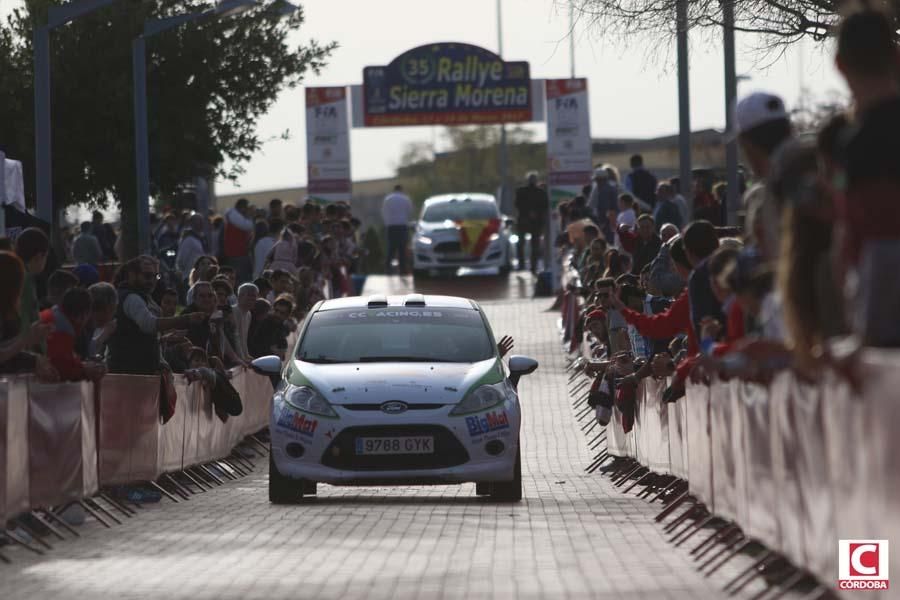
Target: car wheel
{"type": "Point", "coordinates": [283, 490]}
{"type": "Point", "coordinates": [506, 269]}
{"type": "Point", "coordinates": [483, 488]}
{"type": "Point", "coordinates": [509, 491]}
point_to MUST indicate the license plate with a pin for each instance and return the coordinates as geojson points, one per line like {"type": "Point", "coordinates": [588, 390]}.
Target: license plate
{"type": "Point", "coordinates": [395, 445]}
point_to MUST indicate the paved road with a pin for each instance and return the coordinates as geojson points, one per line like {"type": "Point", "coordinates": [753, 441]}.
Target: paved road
{"type": "Point", "coordinates": [572, 536]}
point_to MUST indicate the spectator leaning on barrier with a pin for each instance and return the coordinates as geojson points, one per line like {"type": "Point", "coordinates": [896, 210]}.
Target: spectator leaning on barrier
{"type": "Point", "coordinates": [134, 347]}
{"type": "Point", "coordinates": [867, 217]}
{"type": "Point", "coordinates": [68, 319]}
{"type": "Point", "coordinates": [86, 247]}
{"type": "Point", "coordinates": [33, 248]}
{"type": "Point", "coordinates": [700, 241]}
{"type": "Point", "coordinates": [102, 323]}
{"type": "Point", "coordinates": [17, 341]}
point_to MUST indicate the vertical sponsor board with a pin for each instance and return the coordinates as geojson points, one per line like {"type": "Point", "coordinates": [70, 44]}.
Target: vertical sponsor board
{"type": "Point", "coordinates": [328, 144]}
{"type": "Point", "coordinates": [568, 147]}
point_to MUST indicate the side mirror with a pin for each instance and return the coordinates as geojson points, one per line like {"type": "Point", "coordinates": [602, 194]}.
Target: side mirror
{"type": "Point", "coordinates": [520, 366]}
{"type": "Point", "coordinates": [267, 365]}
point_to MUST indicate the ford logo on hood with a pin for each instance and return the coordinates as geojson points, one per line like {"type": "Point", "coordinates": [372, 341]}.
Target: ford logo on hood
{"type": "Point", "coordinates": [394, 407]}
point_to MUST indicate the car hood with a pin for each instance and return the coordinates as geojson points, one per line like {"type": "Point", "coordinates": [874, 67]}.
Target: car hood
{"type": "Point", "coordinates": [441, 229]}
{"type": "Point", "coordinates": [374, 383]}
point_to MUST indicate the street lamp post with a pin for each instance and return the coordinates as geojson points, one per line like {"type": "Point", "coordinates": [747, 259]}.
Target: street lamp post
{"type": "Point", "coordinates": [57, 16]}
{"type": "Point", "coordinates": [139, 74]}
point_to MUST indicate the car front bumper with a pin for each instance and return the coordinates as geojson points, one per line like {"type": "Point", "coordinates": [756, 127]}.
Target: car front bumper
{"type": "Point", "coordinates": [425, 257]}
{"type": "Point", "coordinates": [460, 445]}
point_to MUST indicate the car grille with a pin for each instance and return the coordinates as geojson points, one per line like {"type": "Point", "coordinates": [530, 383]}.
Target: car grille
{"type": "Point", "coordinates": [444, 247]}
{"type": "Point", "coordinates": [448, 451]}
{"type": "Point", "coordinates": [464, 259]}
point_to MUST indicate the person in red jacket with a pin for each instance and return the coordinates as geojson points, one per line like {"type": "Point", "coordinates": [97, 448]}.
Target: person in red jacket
{"type": "Point", "coordinates": [68, 318]}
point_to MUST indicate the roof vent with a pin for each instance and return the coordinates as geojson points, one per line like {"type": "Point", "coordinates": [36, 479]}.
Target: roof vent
{"type": "Point", "coordinates": [377, 300]}
{"type": "Point", "coordinates": [414, 300]}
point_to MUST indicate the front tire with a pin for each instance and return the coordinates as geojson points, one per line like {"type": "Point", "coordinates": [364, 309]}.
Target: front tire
{"type": "Point", "coordinates": [509, 491]}
{"type": "Point", "coordinates": [284, 490]}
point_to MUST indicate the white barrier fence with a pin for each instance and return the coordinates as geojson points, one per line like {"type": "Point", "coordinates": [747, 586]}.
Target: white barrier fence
{"type": "Point", "coordinates": [62, 442]}
{"type": "Point", "coordinates": [798, 466]}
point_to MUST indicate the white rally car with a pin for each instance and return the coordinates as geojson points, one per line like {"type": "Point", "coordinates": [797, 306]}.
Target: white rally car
{"type": "Point", "coordinates": [461, 230]}
{"type": "Point", "coordinates": [393, 391]}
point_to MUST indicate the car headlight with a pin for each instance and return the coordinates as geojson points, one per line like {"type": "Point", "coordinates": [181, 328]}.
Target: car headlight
{"type": "Point", "coordinates": [495, 237]}
{"type": "Point", "coordinates": [482, 398]}
{"type": "Point", "coordinates": [308, 400]}
{"type": "Point", "coordinates": [424, 240]}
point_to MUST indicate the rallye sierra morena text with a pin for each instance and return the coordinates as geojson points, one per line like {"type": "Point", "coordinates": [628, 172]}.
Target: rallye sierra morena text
{"type": "Point", "coordinates": [395, 390]}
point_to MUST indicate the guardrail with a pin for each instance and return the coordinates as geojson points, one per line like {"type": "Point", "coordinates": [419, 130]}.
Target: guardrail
{"type": "Point", "coordinates": [64, 442]}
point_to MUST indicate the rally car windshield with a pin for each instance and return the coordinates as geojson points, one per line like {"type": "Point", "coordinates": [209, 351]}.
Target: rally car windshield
{"type": "Point", "coordinates": [396, 334]}
{"type": "Point", "coordinates": [460, 210]}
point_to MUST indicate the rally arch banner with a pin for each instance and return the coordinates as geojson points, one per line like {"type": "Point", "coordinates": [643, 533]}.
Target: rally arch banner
{"type": "Point", "coordinates": [447, 83]}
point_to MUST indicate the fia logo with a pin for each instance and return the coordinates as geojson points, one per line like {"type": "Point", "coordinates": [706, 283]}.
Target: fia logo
{"type": "Point", "coordinates": [326, 112]}
{"type": "Point", "coordinates": [863, 565]}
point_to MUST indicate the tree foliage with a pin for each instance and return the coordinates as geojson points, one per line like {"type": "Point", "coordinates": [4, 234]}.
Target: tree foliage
{"type": "Point", "coordinates": [208, 83]}
{"type": "Point", "coordinates": [778, 22]}
{"type": "Point", "coordinates": [471, 161]}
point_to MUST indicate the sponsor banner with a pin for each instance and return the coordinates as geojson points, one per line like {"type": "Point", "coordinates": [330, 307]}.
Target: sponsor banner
{"type": "Point", "coordinates": [327, 144]}
{"type": "Point", "coordinates": [568, 149]}
{"type": "Point", "coordinates": [447, 84]}
{"type": "Point", "coordinates": [297, 422]}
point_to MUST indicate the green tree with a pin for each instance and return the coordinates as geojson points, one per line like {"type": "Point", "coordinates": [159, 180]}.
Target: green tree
{"type": "Point", "coordinates": [208, 83]}
{"type": "Point", "coordinates": [471, 162]}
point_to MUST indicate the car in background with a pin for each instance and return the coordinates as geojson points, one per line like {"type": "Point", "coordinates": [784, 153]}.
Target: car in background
{"type": "Point", "coordinates": [461, 230]}
{"type": "Point", "coordinates": [395, 390]}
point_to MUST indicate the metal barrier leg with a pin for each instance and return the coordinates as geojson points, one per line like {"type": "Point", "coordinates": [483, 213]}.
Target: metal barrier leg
{"type": "Point", "coordinates": [34, 534]}
{"type": "Point", "coordinates": [725, 534]}
{"type": "Point", "coordinates": [206, 476]}
{"type": "Point", "coordinates": [14, 538]}
{"type": "Point", "coordinates": [638, 481]}
{"type": "Point", "coordinates": [734, 551]}
{"type": "Point", "coordinates": [788, 585]}
{"type": "Point", "coordinates": [163, 491]}
{"type": "Point", "coordinates": [236, 466]}
{"type": "Point", "coordinates": [591, 428]}
{"type": "Point", "coordinates": [40, 519]}
{"type": "Point", "coordinates": [700, 513]}
{"type": "Point", "coordinates": [95, 509]}
{"type": "Point", "coordinates": [183, 491]}
{"type": "Point", "coordinates": [209, 472]}
{"type": "Point", "coordinates": [734, 534]}
{"type": "Point", "coordinates": [119, 506]}
{"type": "Point", "coordinates": [750, 571]}
{"type": "Point", "coordinates": [620, 481]}
{"type": "Point", "coordinates": [682, 518]}
{"type": "Point", "coordinates": [52, 516]}
{"type": "Point", "coordinates": [225, 469]}
{"type": "Point", "coordinates": [264, 447]}
{"type": "Point", "coordinates": [673, 506]}
{"type": "Point", "coordinates": [602, 458]}
{"type": "Point", "coordinates": [709, 539]}
{"type": "Point", "coordinates": [201, 487]}
{"type": "Point", "coordinates": [697, 527]}
{"type": "Point", "coordinates": [675, 482]}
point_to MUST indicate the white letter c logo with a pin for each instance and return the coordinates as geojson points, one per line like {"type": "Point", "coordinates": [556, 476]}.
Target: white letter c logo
{"type": "Point", "coordinates": [856, 562]}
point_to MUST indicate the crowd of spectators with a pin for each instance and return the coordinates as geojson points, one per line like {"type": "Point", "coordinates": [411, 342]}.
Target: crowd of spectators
{"type": "Point", "coordinates": [800, 285]}
{"type": "Point", "coordinates": [215, 293]}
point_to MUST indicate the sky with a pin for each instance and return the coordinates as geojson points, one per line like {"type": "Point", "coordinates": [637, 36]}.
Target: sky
{"type": "Point", "coordinates": [632, 83]}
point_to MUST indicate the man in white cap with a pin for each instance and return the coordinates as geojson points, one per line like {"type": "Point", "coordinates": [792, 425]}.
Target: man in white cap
{"type": "Point", "coordinates": [604, 198]}
{"type": "Point", "coordinates": [763, 126]}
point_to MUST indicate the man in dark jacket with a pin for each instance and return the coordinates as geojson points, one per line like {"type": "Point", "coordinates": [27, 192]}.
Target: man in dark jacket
{"type": "Point", "coordinates": [666, 210]}
{"type": "Point", "coordinates": [700, 241]}
{"type": "Point", "coordinates": [641, 182]}
{"type": "Point", "coordinates": [532, 205]}
{"type": "Point", "coordinates": [134, 345]}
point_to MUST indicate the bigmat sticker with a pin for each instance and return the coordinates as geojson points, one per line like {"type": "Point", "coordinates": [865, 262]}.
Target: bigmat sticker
{"type": "Point", "coordinates": [327, 144]}
{"type": "Point", "coordinates": [447, 84]}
